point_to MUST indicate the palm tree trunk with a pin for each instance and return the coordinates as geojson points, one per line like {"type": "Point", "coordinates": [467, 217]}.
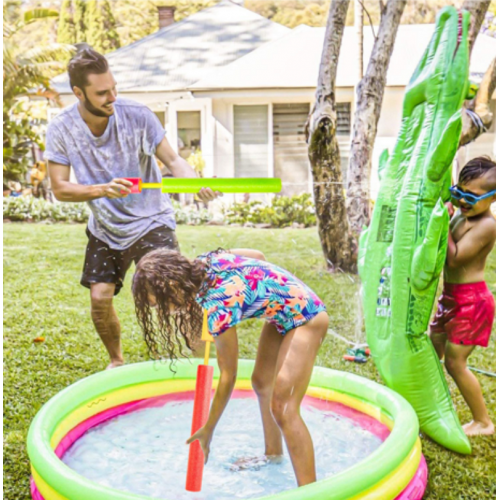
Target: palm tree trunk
{"type": "Point", "coordinates": [476, 115]}
{"type": "Point", "coordinates": [477, 10]}
{"type": "Point", "coordinates": [370, 92]}
{"type": "Point", "coordinates": [324, 154]}
{"type": "Point", "coordinates": [358, 26]}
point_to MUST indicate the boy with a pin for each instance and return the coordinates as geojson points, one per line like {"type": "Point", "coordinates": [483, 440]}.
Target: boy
{"type": "Point", "coordinates": [466, 309]}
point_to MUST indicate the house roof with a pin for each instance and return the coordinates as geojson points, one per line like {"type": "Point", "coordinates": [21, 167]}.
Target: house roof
{"type": "Point", "coordinates": [293, 60]}
{"type": "Point", "coordinates": [180, 54]}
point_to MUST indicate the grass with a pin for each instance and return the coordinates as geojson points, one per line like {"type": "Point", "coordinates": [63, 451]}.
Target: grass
{"type": "Point", "coordinates": [43, 297]}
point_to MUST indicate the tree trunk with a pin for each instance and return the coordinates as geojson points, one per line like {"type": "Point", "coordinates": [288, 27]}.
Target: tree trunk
{"type": "Point", "coordinates": [477, 10]}
{"type": "Point", "coordinates": [324, 153]}
{"type": "Point", "coordinates": [370, 92]}
{"type": "Point", "coordinates": [476, 115]}
{"type": "Point", "coordinates": [358, 26]}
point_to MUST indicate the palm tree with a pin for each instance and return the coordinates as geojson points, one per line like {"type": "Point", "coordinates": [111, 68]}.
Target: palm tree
{"type": "Point", "coordinates": [26, 75]}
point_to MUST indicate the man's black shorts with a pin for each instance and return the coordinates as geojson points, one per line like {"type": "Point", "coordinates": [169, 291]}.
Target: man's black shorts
{"type": "Point", "coordinates": [105, 265]}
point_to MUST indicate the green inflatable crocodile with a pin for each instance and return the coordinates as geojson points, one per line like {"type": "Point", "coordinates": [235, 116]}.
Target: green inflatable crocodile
{"type": "Point", "coordinates": [403, 251]}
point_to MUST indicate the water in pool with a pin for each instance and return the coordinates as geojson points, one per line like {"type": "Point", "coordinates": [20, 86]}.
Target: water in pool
{"type": "Point", "coordinates": [144, 452]}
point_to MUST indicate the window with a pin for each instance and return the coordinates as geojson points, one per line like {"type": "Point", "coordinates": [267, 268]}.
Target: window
{"type": "Point", "coordinates": [188, 132]}
{"type": "Point", "coordinates": [291, 162]}
{"type": "Point", "coordinates": [343, 118]}
{"type": "Point", "coordinates": [251, 141]}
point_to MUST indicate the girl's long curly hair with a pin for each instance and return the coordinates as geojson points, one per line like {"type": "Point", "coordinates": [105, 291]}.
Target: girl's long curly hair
{"type": "Point", "coordinates": [174, 281]}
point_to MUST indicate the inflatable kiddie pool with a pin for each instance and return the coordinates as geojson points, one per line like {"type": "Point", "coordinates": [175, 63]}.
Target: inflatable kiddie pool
{"type": "Point", "coordinates": [395, 470]}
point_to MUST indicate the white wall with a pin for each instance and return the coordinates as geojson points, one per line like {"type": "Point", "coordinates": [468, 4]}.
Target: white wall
{"type": "Point", "coordinates": [223, 136]}
{"type": "Point", "coordinates": [391, 113]}
{"type": "Point", "coordinates": [153, 100]}
{"type": "Point", "coordinates": [222, 107]}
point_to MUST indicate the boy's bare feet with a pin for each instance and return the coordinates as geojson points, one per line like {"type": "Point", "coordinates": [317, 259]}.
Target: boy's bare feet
{"type": "Point", "coordinates": [115, 364]}
{"type": "Point", "coordinates": [479, 428]}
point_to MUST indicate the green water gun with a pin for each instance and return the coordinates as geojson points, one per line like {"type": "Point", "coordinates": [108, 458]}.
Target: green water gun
{"type": "Point", "coordinates": [223, 185]}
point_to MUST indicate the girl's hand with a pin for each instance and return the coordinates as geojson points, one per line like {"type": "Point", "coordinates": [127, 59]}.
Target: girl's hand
{"type": "Point", "coordinates": [204, 436]}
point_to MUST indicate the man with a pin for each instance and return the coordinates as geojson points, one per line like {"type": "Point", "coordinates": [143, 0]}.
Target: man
{"type": "Point", "coordinates": [106, 139]}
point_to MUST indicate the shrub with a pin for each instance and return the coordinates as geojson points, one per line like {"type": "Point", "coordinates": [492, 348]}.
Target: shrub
{"type": "Point", "coordinates": [197, 162]}
{"type": "Point", "coordinates": [283, 212]}
{"type": "Point", "coordinates": [27, 208]}
{"type": "Point", "coordinates": [189, 214]}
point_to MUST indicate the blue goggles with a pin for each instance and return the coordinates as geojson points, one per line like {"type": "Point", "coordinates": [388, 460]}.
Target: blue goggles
{"type": "Point", "coordinates": [470, 198]}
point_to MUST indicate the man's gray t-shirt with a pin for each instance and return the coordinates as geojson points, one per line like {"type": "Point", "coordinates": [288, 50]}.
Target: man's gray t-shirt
{"type": "Point", "coordinates": [126, 149]}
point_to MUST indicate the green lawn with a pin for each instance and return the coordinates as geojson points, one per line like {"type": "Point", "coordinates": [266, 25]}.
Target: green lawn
{"type": "Point", "coordinates": [43, 297]}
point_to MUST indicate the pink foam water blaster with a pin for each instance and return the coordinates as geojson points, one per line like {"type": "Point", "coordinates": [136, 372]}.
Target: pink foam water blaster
{"type": "Point", "coordinates": [196, 460]}
{"type": "Point", "coordinates": [204, 378]}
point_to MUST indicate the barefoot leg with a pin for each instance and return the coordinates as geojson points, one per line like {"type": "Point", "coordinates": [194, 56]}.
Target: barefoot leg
{"type": "Point", "coordinates": [295, 364]}
{"type": "Point", "coordinates": [456, 364]}
{"type": "Point", "coordinates": [106, 321]}
{"type": "Point", "coordinates": [439, 343]}
{"type": "Point", "coordinates": [263, 377]}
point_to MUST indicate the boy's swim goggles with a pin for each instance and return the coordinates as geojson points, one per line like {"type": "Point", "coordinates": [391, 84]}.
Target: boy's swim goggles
{"type": "Point", "coordinates": [470, 198]}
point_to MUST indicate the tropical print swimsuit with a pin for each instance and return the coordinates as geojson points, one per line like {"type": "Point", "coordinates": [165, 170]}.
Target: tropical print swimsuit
{"type": "Point", "coordinates": [238, 288]}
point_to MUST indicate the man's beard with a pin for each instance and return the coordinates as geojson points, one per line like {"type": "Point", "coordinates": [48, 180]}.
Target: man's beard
{"type": "Point", "coordinates": [92, 109]}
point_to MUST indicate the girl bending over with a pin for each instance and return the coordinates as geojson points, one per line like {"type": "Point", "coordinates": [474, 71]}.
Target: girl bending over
{"type": "Point", "coordinates": [233, 286]}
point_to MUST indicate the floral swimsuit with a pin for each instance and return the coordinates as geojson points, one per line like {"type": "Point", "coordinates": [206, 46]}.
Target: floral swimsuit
{"type": "Point", "coordinates": [238, 288]}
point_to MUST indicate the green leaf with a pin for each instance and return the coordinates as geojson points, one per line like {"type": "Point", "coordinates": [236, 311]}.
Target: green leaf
{"type": "Point", "coordinates": [35, 14]}
{"type": "Point", "coordinates": [54, 52]}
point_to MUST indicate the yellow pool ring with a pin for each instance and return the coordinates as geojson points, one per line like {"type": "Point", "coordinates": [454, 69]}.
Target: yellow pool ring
{"type": "Point", "coordinates": [382, 475]}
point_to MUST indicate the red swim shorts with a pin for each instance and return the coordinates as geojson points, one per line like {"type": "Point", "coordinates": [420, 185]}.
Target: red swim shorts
{"type": "Point", "coordinates": [465, 313]}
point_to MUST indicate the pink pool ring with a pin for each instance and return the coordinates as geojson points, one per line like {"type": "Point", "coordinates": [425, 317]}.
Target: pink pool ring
{"type": "Point", "coordinates": [395, 471]}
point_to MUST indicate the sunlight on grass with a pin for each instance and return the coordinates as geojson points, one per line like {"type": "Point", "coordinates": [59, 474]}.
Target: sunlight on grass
{"type": "Point", "coordinates": [43, 297]}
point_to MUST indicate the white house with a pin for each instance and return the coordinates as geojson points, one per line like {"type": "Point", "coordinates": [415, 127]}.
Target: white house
{"type": "Point", "coordinates": [240, 87]}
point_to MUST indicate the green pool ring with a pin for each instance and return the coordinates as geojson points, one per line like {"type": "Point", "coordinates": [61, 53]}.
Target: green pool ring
{"type": "Point", "coordinates": [403, 251]}
{"type": "Point", "coordinates": [383, 474]}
